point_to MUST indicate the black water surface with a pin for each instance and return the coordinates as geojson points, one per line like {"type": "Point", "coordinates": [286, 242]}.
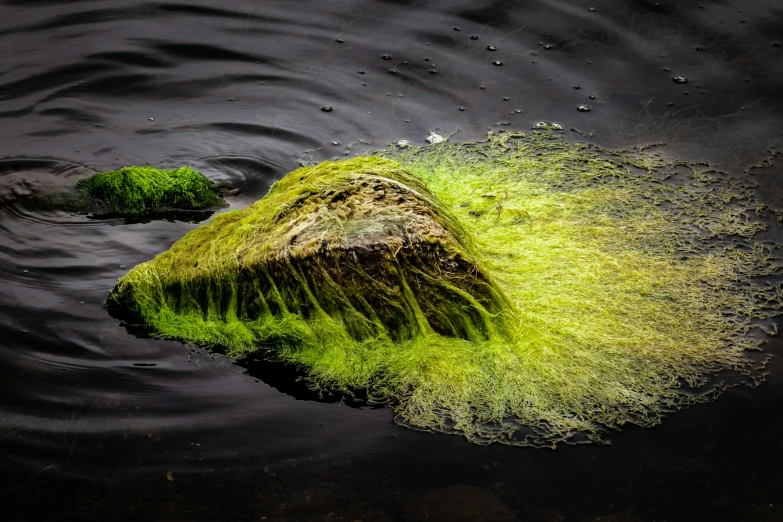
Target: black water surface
{"type": "Point", "coordinates": [98, 424]}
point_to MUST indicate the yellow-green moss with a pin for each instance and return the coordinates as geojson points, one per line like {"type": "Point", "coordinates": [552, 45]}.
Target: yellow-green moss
{"type": "Point", "coordinates": [607, 285]}
{"type": "Point", "coordinates": [145, 190]}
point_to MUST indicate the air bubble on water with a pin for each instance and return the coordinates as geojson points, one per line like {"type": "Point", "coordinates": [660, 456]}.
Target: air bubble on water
{"type": "Point", "coordinates": [434, 138]}
{"type": "Point", "coordinates": [326, 108]}
{"type": "Point", "coordinates": [583, 108]}
{"type": "Point", "coordinates": [680, 79]}
{"type": "Point", "coordinates": [152, 119]}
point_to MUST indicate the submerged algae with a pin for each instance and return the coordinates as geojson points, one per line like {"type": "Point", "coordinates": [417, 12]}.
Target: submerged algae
{"type": "Point", "coordinates": [145, 190]}
{"type": "Point", "coordinates": [591, 288]}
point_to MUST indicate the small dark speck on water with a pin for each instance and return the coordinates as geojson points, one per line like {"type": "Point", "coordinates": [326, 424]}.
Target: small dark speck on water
{"type": "Point", "coordinates": [462, 108]}
{"type": "Point", "coordinates": [592, 96]}
{"type": "Point", "coordinates": [548, 47]}
{"type": "Point", "coordinates": [361, 72]}
{"type": "Point", "coordinates": [326, 108]}
{"type": "Point", "coordinates": [474, 37]}
{"type": "Point", "coordinates": [340, 40]}
{"type": "Point", "coordinates": [497, 63]}
{"type": "Point", "coordinates": [392, 71]}
{"type": "Point", "coordinates": [458, 28]}
{"type": "Point", "coordinates": [506, 98]}
{"type": "Point", "coordinates": [670, 104]}
{"type": "Point", "coordinates": [387, 57]}
{"type": "Point", "coordinates": [577, 87]}
{"type": "Point", "coordinates": [699, 47]}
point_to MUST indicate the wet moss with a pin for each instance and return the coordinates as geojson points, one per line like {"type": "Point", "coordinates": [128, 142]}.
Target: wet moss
{"type": "Point", "coordinates": [138, 191]}
{"type": "Point", "coordinates": [522, 289]}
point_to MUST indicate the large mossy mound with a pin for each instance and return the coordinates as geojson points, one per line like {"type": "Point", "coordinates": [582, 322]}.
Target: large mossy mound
{"type": "Point", "coordinates": [137, 191]}
{"type": "Point", "coordinates": [358, 246]}
{"type": "Point", "coordinates": [522, 289]}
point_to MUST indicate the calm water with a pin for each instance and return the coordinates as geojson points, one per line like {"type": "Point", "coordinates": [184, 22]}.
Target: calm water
{"type": "Point", "coordinates": [93, 418]}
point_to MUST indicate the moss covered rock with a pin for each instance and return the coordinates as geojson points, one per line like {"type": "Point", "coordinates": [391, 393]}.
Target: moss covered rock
{"type": "Point", "coordinates": [522, 289]}
{"type": "Point", "coordinates": [360, 244]}
{"type": "Point", "coordinates": [140, 191]}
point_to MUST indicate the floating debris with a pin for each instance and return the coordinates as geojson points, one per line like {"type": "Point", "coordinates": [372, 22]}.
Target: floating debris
{"type": "Point", "coordinates": [547, 125]}
{"type": "Point", "coordinates": [434, 138]}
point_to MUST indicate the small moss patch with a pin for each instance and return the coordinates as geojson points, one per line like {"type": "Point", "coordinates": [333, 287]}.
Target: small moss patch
{"type": "Point", "coordinates": [145, 190]}
{"type": "Point", "coordinates": [522, 289]}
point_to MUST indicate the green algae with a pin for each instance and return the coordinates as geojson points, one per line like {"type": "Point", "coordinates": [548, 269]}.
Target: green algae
{"type": "Point", "coordinates": [145, 190]}
{"type": "Point", "coordinates": [584, 289]}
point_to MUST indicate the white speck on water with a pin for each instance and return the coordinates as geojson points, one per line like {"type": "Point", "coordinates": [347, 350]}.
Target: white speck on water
{"type": "Point", "coordinates": [547, 125]}
{"type": "Point", "coordinates": [435, 138]}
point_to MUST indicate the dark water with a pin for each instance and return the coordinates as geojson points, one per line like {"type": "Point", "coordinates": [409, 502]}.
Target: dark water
{"type": "Point", "coordinates": [93, 418]}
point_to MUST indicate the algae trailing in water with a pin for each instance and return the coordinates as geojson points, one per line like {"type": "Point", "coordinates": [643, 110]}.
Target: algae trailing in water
{"type": "Point", "coordinates": [522, 289]}
{"type": "Point", "coordinates": [144, 190]}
